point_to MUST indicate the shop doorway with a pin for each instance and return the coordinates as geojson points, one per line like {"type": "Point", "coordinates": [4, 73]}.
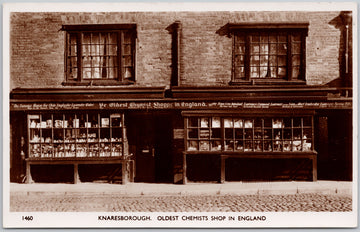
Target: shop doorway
{"type": "Point", "coordinates": [149, 136]}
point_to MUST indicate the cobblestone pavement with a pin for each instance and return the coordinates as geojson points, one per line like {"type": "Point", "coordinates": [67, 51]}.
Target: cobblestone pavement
{"type": "Point", "coordinates": [199, 203]}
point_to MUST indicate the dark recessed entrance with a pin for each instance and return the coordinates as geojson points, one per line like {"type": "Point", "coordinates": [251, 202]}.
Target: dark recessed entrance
{"type": "Point", "coordinates": [149, 136]}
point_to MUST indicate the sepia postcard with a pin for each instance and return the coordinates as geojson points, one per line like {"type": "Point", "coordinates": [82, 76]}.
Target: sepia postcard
{"type": "Point", "coordinates": [180, 115]}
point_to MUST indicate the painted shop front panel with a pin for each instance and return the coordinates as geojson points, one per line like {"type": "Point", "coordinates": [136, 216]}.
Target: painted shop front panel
{"type": "Point", "coordinates": [177, 141]}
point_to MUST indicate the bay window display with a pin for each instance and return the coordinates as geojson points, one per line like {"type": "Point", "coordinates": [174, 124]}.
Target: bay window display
{"type": "Point", "coordinates": [249, 134]}
{"type": "Point", "coordinates": [76, 135]}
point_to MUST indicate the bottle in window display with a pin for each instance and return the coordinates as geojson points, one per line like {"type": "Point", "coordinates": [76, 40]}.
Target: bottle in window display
{"type": "Point", "coordinates": [216, 122]}
{"type": "Point", "coordinates": [193, 146]}
{"type": "Point", "coordinates": [204, 122]}
{"type": "Point", "coordinates": [239, 146]}
{"type": "Point", "coordinates": [216, 146]}
{"type": "Point", "coordinates": [248, 124]}
{"type": "Point", "coordinates": [248, 146]}
{"type": "Point", "coordinates": [277, 145]}
{"type": "Point", "coordinates": [258, 145]}
{"type": "Point", "coordinates": [306, 144]}
{"type": "Point", "coordinates": [204, 146]}
{"type": "Point", "coordinates": [287, 145]}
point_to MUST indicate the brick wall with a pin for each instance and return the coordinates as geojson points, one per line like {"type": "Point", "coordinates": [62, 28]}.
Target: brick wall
{"type": "Point", "coordinates": [37, 45]}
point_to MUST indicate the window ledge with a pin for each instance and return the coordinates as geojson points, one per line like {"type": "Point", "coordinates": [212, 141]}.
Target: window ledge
{"type": "Point", "coordinates": [266, 82]}
{"type": "Point", "coordinates": [97, 83]}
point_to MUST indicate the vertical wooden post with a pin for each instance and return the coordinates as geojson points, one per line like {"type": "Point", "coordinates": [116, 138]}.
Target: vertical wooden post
{"type": "Point", "coordinates": [124, 172]}
{"type": "Point", "coordinates": [222, 175]}
{"type": "Point", "coordinates": [29, 179]}
{"type": "Point", "coordinates": [76, 174]}
{"type": "Point", "coordinates": [184, 169]}
{"type": "Point", "coordinates": [314, 168]}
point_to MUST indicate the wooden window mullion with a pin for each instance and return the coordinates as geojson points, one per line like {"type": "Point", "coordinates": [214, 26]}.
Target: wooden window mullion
{"type": "Point", "coordinates": [247, 57]}
{"type": "Point", "coordinates": [79, 55]}
{"type": "Point", "coordinates": [120, 53]}
{"type": "Point", "coordinates": [289, 57]}
{"type": "Point", "coordinates": [233, 74]}
{"type": "Point", "coordinates": [302, 57]}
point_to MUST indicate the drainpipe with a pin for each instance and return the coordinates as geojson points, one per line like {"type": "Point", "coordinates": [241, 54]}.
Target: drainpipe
{"type": "Point", "coordinates": [346, 17]}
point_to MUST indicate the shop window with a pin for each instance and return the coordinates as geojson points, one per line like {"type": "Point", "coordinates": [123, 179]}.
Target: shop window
{"type": "Point", "coordinates": [75, 135]}
{"type": "Point", "coordinates": [244, 134]}
{"type": "Point", "coordinates": [268, 53]}
{"type": "Point", "coordinates": [100, 54]}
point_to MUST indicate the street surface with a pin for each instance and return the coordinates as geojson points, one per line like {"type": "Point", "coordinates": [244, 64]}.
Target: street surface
{"type": "Point", "coordinates": [77, 202]}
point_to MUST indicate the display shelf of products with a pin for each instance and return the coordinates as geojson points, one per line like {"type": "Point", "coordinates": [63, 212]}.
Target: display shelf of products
{"type": "Point", "coordinates": [237, 134]}
{"type": "Point", "coordinates": [76, 135]}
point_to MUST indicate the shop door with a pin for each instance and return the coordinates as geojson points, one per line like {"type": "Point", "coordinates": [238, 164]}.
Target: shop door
{"type": "Point", "coordinates": [149, 137]}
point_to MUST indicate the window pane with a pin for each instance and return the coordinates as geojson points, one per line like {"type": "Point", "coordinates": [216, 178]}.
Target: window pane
{"type": "Point", "coordinates": [216, 145]}
{"type": "Point", "coordinates": [204, 146]}
{"type": "Point", "coordinates": [229, 133]}
{"type": "Point", "coordinates": [96, 73]}
{"type": "Point", "coordinates": [127, 50]}
{"type": "Point", "coordinates": [254, 72]}
{"type": "Point", "coordinates": [204, 122]}
{"type": "Point", "coordinates": [273, 72]}
{"type": "Point", "coordinates": [127, 38]}
{"type": "Point", "coordinates": [240, 49]}
{"type": "Point", "coordinates": [239, 134]}
{"type": "Point", "coordinates": [238, 123]}
{"type": "Point", "coordinates": [264, 49]}
{"type": "Point", "coordinates": [127, 60]}
{"type": "Point", "coordinates": [295, 60]}
{"type": "Point", "coordinates": [193, 122]}
{"type": "Point", "coordinates": [73, 73]}
{"type": "Point", "coordinates": [264, 60]}
{"type": "Point", "coordinates": [296, 48]}
{"type": "Point", "coordinates": [216, 122]}
{"type": "Point", "coordinates": [282, 49]}
{"type": "Point", "coordinates": [273, 48]}
{"type": "Point", "coordinates": [86, 74]}
{"type": "Point", "coordinates": [239, 39]}
{"type": "Point", "coordinates": [113, 73]}
{"type": "Point", "coordinates": [239, 72]}
{"type": "Point", "coordinates": [263, 72]}
{"type": "Point", "coordinates": [282, 72]}
{"type": "Point", "coordinates": [254, 60]}
{"type": "Point", "coordinates": [239, 60]}
{"type": "Point", "coordinates": [192, 146]}
{"type": "Point", "coordinates": [255, 48]}
{"type": "Point", "coordinates": [216, 133]}
{"type": "Point", "coordinates": [264, 39]}
{"type": "Point", "coordinates": [228, 123]}
{"type": "Point", "coordinates": [193, 133]}
{"type": "Point", "coordinates": [296, 37]}
{"type": "Point", "coordinates": [282, 60]}
{"type": "Point", "coordinates": [86, 61]}
{"type": "Point", "coordinates": [282, 38]}
{"type": "Point", "coordinates": [295, 72]}
{"type": "Point", "coordinates": [273, 38]}
{"type": "Point", "coordinates": [112, 50]}
{"type": "Point", "coordinates": [255, 38]}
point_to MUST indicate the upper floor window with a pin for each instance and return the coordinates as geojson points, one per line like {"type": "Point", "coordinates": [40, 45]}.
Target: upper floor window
{"type": "Point", "coordinates": [268, 52]}
{"type": "Point", "coordinates": [102, 54]}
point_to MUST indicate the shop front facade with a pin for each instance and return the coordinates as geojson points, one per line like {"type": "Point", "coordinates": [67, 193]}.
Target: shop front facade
{"type": "Point", "coordinates": [155, 97]}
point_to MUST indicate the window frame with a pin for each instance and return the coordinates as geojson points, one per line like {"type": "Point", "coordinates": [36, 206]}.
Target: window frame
{"type": "Point", "coordinates": [47, 132]}
{"type": "Point", "coordinates": [120, 29]}
{"type": "Point", "coordinates": [249, 29]}
{"type": "Point", "coordinates": [274, 127]}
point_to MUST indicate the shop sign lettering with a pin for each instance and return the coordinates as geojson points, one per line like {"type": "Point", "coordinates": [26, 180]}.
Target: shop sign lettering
{"type": "Point", "coordinates": [183, 105]}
